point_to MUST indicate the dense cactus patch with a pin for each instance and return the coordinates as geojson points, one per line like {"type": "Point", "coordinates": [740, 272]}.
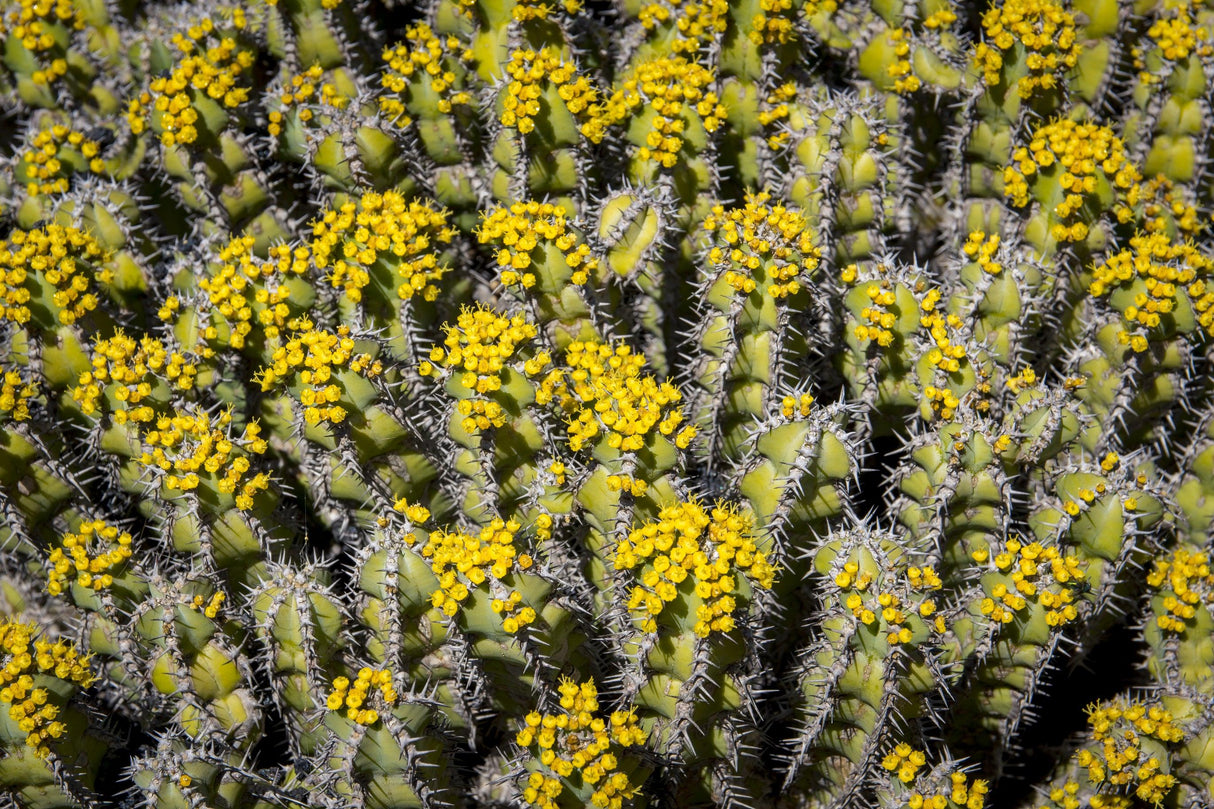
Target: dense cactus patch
{"type": "Point", "coordinates": [686, 403]}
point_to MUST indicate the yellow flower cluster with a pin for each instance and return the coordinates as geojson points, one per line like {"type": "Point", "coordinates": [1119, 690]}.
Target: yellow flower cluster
{"type": "Point", "coordinates": [463, 562]}
{"type": "Point", "coordinates": [90, 555]}
{"type": "Point", "coordinates": [403, 235]}
{"type": "Point", "coordinates": [522, 233]}
{"type": "Point", "coordinates": [525, 10]}
{"type": "Point", "coordinates": [887, 606]}
{"type": "Point", "coordinates": [313, 355]}
{"type": "Point", "coordinates": [528, 10]}
{"type": "Point", "coordinates": [673, 88]}
{"type": "Point", "coordinates": [1119, 728]}
{"type": "Point", "coordinates": [214, 71]}
{"type": "Point", "coordinates": [1066, 797]}
{"type": "Point", "coordinates": [478, 415]}
{"type": "Point", "coordinates": [943, 402]}
{"type": "Point", "coordinates": [1167, 207]}
{"type": "Point", "coordinates": [971, 795]}
{"type": "Point", "coordinates": [31, 22]}
{"type": "Point", "coordinates": [1187, 577]}
{"type": "Point", "coordinates": [879, 320]}
{"type": "Point", "coordinates": [691, 550]}
{"type": "Point", "coordinates": [1045, 30]}
{"type": "Point", "coordinates": [1024, 578]}
{"type": "Point", "coordinates": [422, 52]}
{"type": "Point", "coordinates": [354, 696]}
{"type": "Point", "coordinates": [923, 578]}
{"type": "Point", "coordinates": [21, 660]}
{"type": "Point", "coordinates": [544, 522]}
{"type": "Point", "coordinates": [185, 444]}
{"type": "Point", "coordinates": [695, 22]}
{"type": "Point", "coordinates": [905, 81]}
{"type": "Point", "coordinates": [626, 483]}
{"type": "Point", "coordinates": [66, 258]}
{"type": "Point", "coordinates": [982, 248]}
{"type": "Point", "coordinates": [1178, 36]}
{"type": "Point", "coordinates": [416, 513]}
{"type": "Point", "coordinates": [1085, 154]}
{"type": "Point", "coordinates": [15, 394]}
{"type": "Point", "coordinates": [304, 89]}
{"type": "Point", "coordinates": [941, 18]}
{"type": "Point", "coordinates": [962, 793]}
{"type": "Point", "coordinates": [947, 355]}
{"type": "Point", "coordinates": [137, 111]}
{"type": "Point", "coordinates": [906, 761]}
{"type": "Point", "coordinates": [480, 344]}
{"type": "Point", "coordinates": [792, 406]}
{"type": "Point", "coordinates": [514, 616]}
{"type": "Point", "coordinates": [773, 243]}
{"type": "Point", "coordinates": [43, 160]}
{"type": "Point", "coordinates": [1156, 269]}
{"type": "Point", "coordinates": [775, 109]}
{"type": "Point", "coordinates": [773, 24]}
{"type": "Point", "coordinates": [131, 367]}
{"type": "Point", "coordinates": [169, 309]}
{"type": "Point", "coordinates": [241, 277]}
{"type": "Point", "coordinates": [528, 71]}
{"type": "Point", "coordinates": [1028, 379]}
{"type": "Point", "coordinates": [607, 392]}
{"type": "Point", "coordinates": [210, 608]}
{"type": "Point", "coordinates": [577, 744]}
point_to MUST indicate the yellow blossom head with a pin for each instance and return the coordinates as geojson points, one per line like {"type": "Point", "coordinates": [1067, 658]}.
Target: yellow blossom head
{"type": "Point", "coordinates": [25, 660]}
{"type": "Point", "coordinates": [607, 395]}
{"type": "Point", "coordinates": [686, 109]}
{"type": "Point", "coordinates": [761, 246]}
{"type": "Point", "coordinates": [578, 750]}
{"type": "Point", "coordinates": [68, 260]}
{"type": "Point", "coordinates": [524, 233]}
{"type": "Point", "coordinates": [1039, 36]}
{"type": "Point", "coordinates": [405, 236]}
{"type": "Point", "coordinates": [705, 557]}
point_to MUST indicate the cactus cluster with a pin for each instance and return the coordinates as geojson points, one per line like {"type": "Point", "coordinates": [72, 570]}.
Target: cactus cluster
{"type": "Point", "coordinates": [616, 403]}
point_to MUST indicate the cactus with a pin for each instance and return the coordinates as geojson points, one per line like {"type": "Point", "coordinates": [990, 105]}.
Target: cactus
{"type": "Point", "coordinates": [672, 403]}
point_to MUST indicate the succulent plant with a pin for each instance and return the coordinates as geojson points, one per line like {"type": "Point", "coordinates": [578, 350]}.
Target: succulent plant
{"type": "Point", "coordinates": [672, 403]}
